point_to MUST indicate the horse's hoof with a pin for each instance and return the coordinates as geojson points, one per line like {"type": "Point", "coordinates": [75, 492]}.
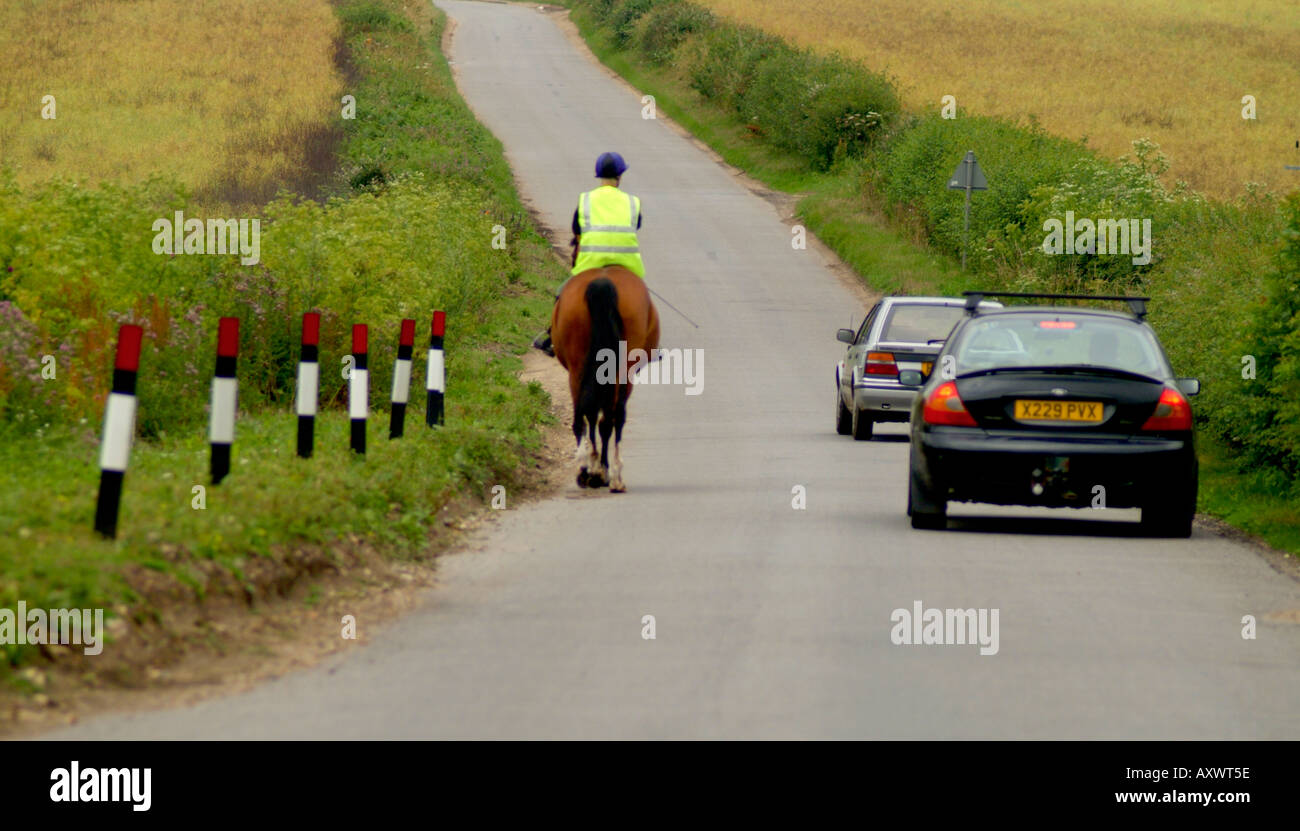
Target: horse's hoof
{"type": "Point", "coordinates": [583, 478]}
{"type": "Point", "coordinates": [595, 480]}
{"type": "Point", "coordinates": [619, 488]}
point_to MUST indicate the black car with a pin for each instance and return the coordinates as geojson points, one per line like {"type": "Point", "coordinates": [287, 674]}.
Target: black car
{"type": "Point", "coordinates": [1059, 406]}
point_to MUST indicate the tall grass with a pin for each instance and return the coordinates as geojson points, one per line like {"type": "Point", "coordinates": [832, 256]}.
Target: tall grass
{"type": "Point", "coordinates": [1114, 71]}
{"type": "Point", "coordinates": [78, 263]}
{"type": "Point", "coordinates": [234, 99]}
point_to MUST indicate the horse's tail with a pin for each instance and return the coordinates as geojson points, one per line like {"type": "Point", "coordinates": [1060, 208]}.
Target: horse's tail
{"type": "Point", "coordinates": [606, 333]}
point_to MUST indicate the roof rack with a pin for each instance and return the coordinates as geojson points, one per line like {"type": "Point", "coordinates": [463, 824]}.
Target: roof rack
{"type": "Point", "coordinates": [1138, 305]}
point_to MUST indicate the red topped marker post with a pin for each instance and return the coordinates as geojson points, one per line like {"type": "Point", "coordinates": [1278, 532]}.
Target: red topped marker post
{"type": "Point", "coordinates": [435, 378]}
{"type": "Point", "coordinates": [402, 378]}
{"type": "Point", "coordinates": [119, 428]}
{"type": "Point", "coordinates": [221, 421]}
{"type": "Point", "coordinates": [308, 382]}
{"type": "Point", "coordinates": [359, 387]}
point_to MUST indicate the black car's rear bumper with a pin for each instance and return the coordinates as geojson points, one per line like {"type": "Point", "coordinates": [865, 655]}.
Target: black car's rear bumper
{"type": "Point", "coordinates": [973, 465]}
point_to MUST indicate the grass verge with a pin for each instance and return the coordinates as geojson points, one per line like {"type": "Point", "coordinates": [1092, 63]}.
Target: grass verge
{"type": "Point", "coordinates": [383, 251]}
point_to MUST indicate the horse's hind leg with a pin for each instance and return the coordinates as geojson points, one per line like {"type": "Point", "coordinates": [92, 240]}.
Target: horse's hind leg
{"type": "Point", "coordinates": [595, 469]}
{"type": "Point", "coordinates": [606, 428]}
{"type": "Point", "coordinates": [580, 455]}
{"type": "Point", "coordinates": [616, 469]}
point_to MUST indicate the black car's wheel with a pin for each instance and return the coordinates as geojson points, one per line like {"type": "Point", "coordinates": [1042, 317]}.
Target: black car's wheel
{"type": "Point", "coordinates": [1169, 517]}
{"type": "Point", "coordinates": [843, 418]}
{"type": "Point", "coordinates": [862, 425]}
{"type": "Point", "coordinates": [928, 512]}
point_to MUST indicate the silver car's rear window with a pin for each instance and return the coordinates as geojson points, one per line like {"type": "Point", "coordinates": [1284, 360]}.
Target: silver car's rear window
{"type": "Point", "coordinates": [917, 323]}
{"type": "Point", "coordinates": [1078, 340]}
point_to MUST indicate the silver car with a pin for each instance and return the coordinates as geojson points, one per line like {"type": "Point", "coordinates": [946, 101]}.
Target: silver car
{"type": "Point", "coordinates": [898, 333]}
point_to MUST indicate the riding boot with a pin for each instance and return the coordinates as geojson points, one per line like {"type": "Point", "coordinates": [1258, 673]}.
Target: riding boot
{"type": "Point", "coordinates": [543, 342]}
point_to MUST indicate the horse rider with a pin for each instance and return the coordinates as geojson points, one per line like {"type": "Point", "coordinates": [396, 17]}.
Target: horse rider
{"type": "Point", "coordinates": [605, 223]}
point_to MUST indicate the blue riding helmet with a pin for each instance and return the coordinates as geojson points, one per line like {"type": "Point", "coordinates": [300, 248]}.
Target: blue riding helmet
{"type": "Point", "coordinates": [610, 166]}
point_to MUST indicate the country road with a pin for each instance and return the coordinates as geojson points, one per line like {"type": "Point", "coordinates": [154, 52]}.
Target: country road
{"type": "Point", "coordinates": [771, 621]}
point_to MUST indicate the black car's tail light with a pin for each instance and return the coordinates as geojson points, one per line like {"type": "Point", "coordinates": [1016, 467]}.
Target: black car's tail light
{"type": "Point", "coordinates": [944, 406]}
{"type": "Point", "coordinates": [880, 363]}
{"type": "Point", "coordinates": [1172, 413]}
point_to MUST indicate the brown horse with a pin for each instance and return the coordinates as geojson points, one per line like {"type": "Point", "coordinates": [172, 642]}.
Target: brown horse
{"type": "Point", "coordinates": [597, 310]}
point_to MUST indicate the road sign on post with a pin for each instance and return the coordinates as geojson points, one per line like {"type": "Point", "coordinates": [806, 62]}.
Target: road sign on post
{"type": "Point", "coordinates": [968, 177]}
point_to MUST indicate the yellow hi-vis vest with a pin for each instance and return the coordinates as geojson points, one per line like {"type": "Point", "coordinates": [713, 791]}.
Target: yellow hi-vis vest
{"type": "Point", "coordinates": [607, 218]}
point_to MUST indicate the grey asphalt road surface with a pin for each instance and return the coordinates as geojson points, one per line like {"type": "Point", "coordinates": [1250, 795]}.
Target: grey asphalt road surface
{"type": "Point", "coordinates": [770, 620]}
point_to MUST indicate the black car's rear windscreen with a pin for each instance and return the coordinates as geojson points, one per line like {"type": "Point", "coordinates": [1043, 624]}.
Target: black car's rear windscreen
{"type": "Point", "coordinates": [1059, 340]}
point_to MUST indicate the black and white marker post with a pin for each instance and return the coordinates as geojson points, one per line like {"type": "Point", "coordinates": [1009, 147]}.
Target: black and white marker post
{"type": "Point", "coordinates": [435, 381]}
{"type": "Point", "coordinates": [402, 378]}
{"type": "Point", "coordinates": [358, 388]}
{"type": "Point", "coordinates": [119, 427]}
{"type": "Point", "coordinates": [308, 382]}
{"type": "Point", "coordinates": [221, 421]}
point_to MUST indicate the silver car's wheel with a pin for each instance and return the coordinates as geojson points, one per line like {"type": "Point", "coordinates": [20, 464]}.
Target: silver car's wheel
{"type": "Point", "coordinates": [843, 418]}
{"type": "Point", "coordinates": [862, 425]}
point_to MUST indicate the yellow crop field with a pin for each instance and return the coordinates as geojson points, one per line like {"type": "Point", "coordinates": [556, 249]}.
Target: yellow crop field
{"type": "Point", "coordinates": [1173, 71]}
{"type": "Point", "coordinates": [233, 98]}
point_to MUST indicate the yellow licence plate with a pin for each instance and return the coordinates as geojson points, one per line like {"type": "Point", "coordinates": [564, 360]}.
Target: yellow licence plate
{"type": "Point", "coordinates": [1085, 411]}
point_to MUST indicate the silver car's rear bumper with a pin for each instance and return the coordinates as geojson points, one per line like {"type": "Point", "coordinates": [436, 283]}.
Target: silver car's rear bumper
{"type": "Point", "coordinates": [885, 401]}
